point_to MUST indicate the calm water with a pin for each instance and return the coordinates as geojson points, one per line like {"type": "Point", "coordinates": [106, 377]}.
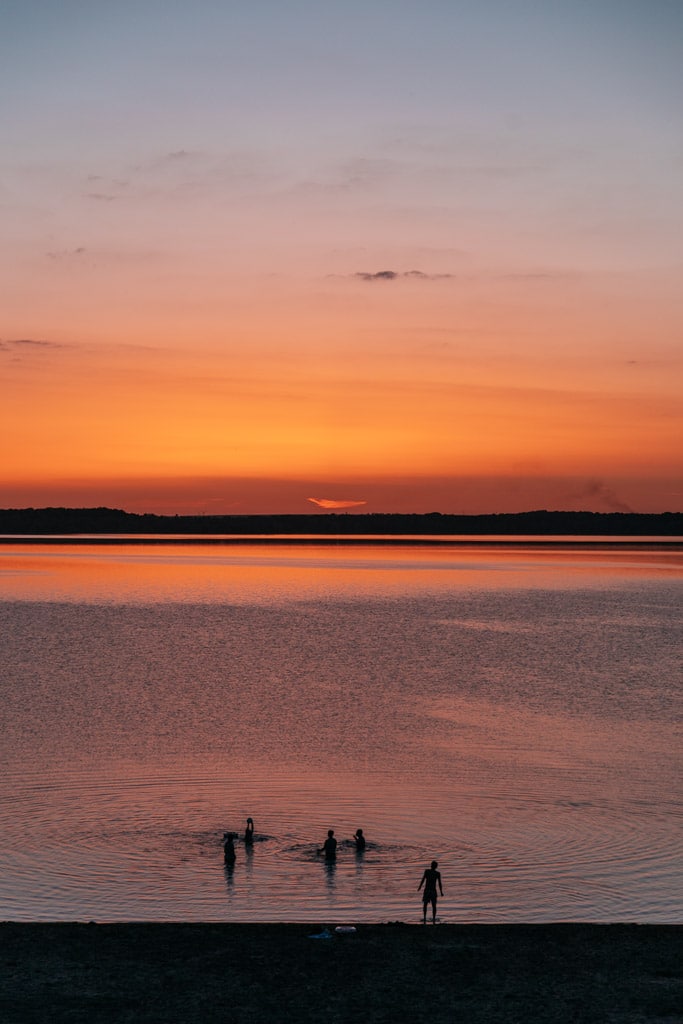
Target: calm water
{"type": "Point", "coordinates": [508, 710]}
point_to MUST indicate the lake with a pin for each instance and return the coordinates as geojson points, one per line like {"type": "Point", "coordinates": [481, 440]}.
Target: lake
{"type": "Point", "coordinates": [508, 708]}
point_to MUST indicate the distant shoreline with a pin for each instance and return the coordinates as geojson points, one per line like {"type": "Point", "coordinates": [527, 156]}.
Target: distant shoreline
{"type": "Point", "coordinates": [109, 524]}
{"type": "Point", "coordinates": [210, 973]}
{"type": "Point", "coordinates": [548, 543]}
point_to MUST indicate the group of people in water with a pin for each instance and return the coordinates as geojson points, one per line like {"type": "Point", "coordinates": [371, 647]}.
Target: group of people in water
{"type": "Point", "coordinates": [431, 878]}
{"type": "Point", "coordinates": [329, 847]}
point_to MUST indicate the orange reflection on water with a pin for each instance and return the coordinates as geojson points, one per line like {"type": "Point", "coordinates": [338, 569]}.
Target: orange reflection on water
{"type": "Point", "coordinates": [257, 572]}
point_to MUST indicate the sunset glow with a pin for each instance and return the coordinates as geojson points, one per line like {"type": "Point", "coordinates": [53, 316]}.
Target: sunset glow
{"type": "Point", "coordinates": [400, 257]}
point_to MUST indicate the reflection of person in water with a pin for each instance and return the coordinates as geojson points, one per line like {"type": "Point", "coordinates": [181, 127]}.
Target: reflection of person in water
{"type": "Point", "coordinates": [430, 879]}
{"type": "Point", "coordinates": [229, 855]}
{"type": "Point", "coordinates": [249, 832]}
{"type": "Point", "coordinates": [360, 840]}
{"type": "Point", "coordinates": [329, 847]}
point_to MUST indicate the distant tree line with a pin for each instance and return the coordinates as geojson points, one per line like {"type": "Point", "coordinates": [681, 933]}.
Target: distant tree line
{"type": "Point", "coordinates": [66, 521]}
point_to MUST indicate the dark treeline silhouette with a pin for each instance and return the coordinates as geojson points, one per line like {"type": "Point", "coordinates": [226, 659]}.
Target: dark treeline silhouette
{"type": "Point", "coordinates": [67, 521]}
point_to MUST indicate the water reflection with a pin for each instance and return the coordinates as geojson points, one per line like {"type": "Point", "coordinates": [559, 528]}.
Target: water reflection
{"type": "Point", "coordinates": [330, 869]}
{"type": "Point", "coordinates": [229, 872]}
{"type": "Point", "coordinates": [258, 573]}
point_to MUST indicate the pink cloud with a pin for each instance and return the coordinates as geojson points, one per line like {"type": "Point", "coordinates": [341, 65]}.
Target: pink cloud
{"type": "Point", "coordinates": [334, 503]}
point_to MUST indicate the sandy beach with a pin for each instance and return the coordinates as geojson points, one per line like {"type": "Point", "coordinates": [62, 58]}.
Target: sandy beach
{"type": "Point", "coordinates": [623, 973]}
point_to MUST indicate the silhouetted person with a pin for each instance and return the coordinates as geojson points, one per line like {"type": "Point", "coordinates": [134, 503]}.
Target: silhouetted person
{"type": "Point", "coordinates": [249, 832]}
{"type": "Point", "coordinates": [229, 855]}
{"type": "Point", "coordinates": [430, 879]}
{"type": "Point", "coordinates": [360, 840]}
{"type": "Point", "coordinates": [329, 847]}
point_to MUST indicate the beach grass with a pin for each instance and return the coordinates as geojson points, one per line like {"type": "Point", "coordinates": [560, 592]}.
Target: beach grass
{"type": "Point", "coordinates": [498, 974]}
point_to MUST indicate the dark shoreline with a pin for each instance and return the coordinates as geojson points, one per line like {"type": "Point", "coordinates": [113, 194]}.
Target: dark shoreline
{"type": "Point", "coordinates": [60, 521]}
{"type": "Point", "coordinates": [498, 974]}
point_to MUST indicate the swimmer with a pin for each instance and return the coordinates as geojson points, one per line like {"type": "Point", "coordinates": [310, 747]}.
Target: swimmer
{"type": "Point", "coordinates": [329, 847]}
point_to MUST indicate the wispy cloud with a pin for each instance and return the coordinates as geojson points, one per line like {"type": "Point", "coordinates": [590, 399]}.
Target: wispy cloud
{"type": "Point", "coordinates": [524, 277]}
{"type": "Point", "coordinates": [332, 503]}
{"type": "Point", "coordinates": [175, 155]}
{"type": "Point", "coordinates": [541, 275]}
{"type": "Point", "coordinates": [67, 254]}
{"type": "Point", "coordinates": [396, 275]}
{"type": "Point", "coordinates": [40, 342]}
{"type": "Point", "coordinates": [598, 489]}
{"type": "Point", "coordinates": [179, 172]}
{"type": "Point", "coordinates": [105, 189]}
{"type": "Point", "coordinates": [19, 347]}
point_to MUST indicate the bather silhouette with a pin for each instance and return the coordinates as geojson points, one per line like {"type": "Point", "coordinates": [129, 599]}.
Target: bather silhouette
{"type": "Point", "coordinates": [430, 879]}
{"type": "Point", "coordinates": [329, 847]}
{"type": "Point", "coordinates": [229, 848]}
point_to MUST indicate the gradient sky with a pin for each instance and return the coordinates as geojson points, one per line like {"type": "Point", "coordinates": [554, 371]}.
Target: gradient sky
{"type": "Point", "coordinates": [421, 256]}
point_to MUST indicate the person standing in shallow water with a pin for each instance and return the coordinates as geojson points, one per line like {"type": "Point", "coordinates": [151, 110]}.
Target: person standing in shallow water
{"type": "Point", "coordinates": [430, 879]}
{"type": "Point", "coordinates": [249, 832]}
{"type": "Point", "coordinates": [329, 847]}
{"type": "Point", "coordinates": [360, 840]}
{"type": "Point", "coordinates": [229, 855]}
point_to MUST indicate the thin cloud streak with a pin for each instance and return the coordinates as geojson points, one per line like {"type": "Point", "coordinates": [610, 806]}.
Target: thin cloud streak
{"type": "Point", "coordinates": [394, 275]}
{"type": "Point", "coordinates": [11, 344]}
{"type": "Point", "coordinates": [330, 503]}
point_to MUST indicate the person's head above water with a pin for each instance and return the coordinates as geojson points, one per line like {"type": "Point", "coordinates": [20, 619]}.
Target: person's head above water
{"type": "Point", "coordinates": [359, 831]}
{"type": "Point", "coordinates": [330, 832]}
{"type": "Point", "coordinates": [435, 864]}
{"type": "Point", "coordinates": [250, 821]}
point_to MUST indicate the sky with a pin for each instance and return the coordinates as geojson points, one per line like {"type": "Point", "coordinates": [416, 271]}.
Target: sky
{"type": "Point", "coordinates": [294, 256]}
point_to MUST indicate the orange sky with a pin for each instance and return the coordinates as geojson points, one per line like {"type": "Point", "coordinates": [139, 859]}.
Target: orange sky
{"type": "Point", "coordinates": [455, 306]}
